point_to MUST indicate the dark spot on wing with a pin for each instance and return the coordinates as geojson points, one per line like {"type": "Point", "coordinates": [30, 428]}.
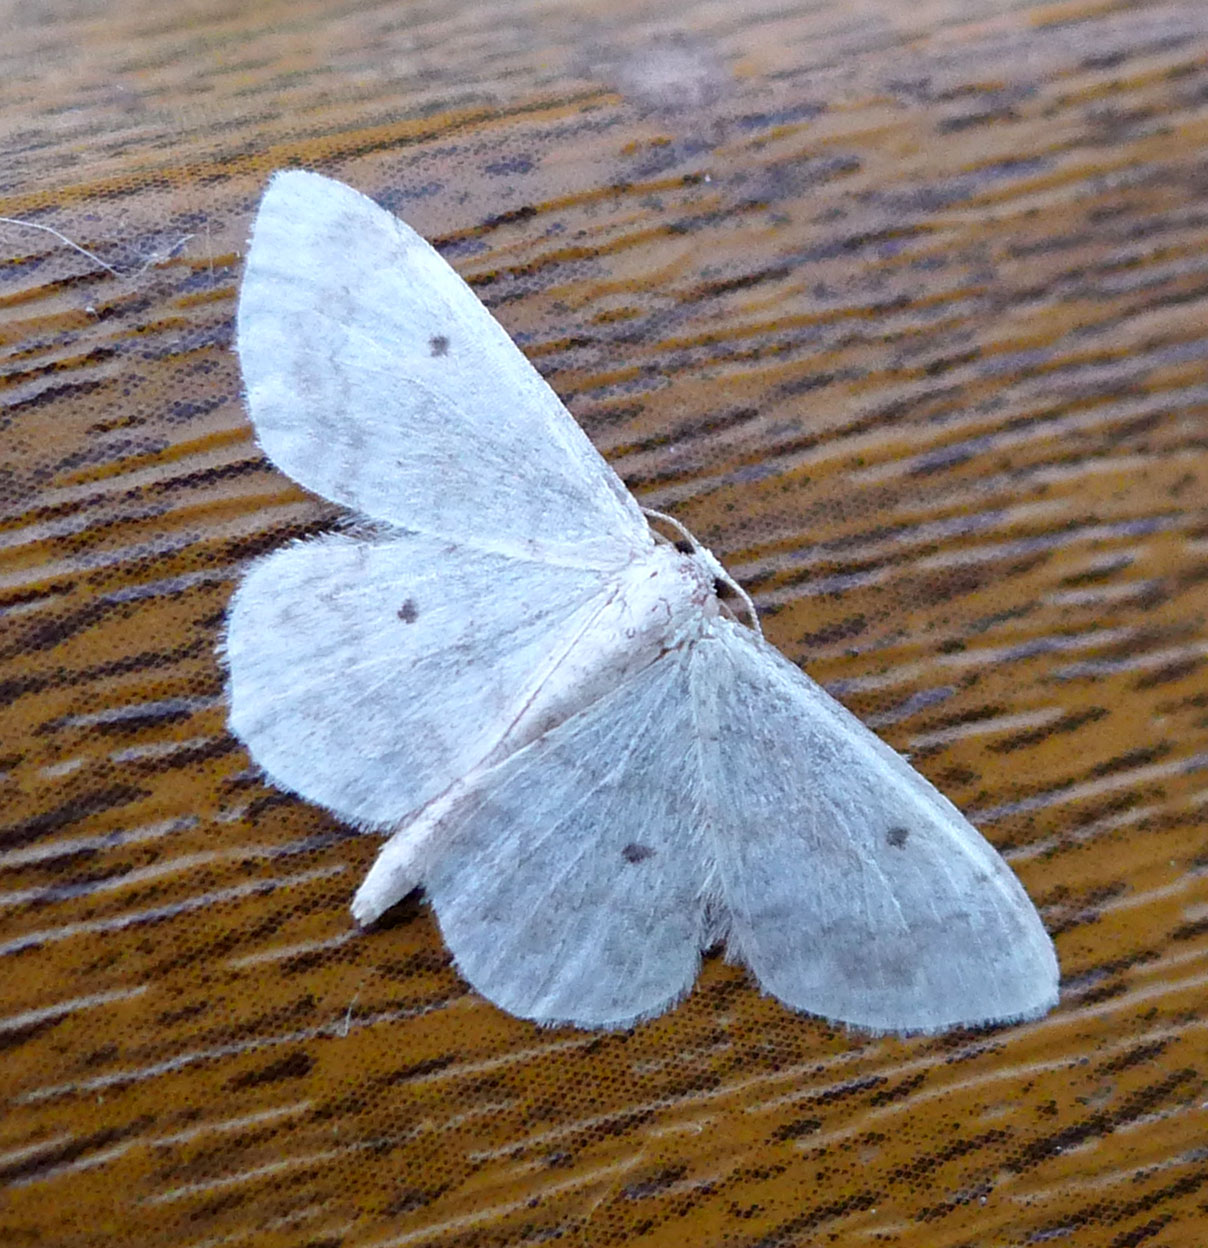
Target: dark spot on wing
{"type": "Point", "coordinates": [439, 344]}
{"type": "Point", "coordinates": [408, 612]}
{"type": "Point", "coordinates": [897, 837]}
{"type": "Point", "coordinates": [684, 546]}
{"type": "Point", "coordinates": [634, 852]}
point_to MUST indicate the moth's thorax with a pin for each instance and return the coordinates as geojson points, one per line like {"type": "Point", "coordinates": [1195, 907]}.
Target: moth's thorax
{"type": "Point", "coordinates": [661, 599]}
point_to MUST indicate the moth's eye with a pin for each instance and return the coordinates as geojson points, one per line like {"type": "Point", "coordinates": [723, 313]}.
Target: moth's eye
{"type": "Point", "coordinates": [721, 589]}
{"type": "Point", "coordinates": [685, 548]}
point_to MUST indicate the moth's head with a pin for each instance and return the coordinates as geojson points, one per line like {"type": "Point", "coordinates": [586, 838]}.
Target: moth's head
{"type": "Point", "coordinates": [723, 593]}
{"type": "Point", "coordinates": [712, 565]}
{"type": "Point", "coordinates": [704, 581]}
{"type": "Point", "coordinates": [691, 573]}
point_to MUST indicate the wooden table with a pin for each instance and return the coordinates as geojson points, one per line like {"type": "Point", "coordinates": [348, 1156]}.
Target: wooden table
{"type": "Point", "coordinates": [901, 308]}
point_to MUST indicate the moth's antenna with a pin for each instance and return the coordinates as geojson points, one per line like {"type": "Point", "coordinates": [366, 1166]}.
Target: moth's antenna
{"type": "Point", "coordinates": [714, 565]}
{"type": "Point", "coordinates": [651, 514]}
{"type": "Point", "coordinates": [742, 593]}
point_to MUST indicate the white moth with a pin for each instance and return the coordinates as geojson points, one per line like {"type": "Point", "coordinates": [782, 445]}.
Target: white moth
{"type": "Point", "coordinates": [592, 768]}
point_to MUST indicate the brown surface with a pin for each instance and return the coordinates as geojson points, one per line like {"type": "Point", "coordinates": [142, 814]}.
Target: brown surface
{"type": "Point", "coordinates": [902, 309]}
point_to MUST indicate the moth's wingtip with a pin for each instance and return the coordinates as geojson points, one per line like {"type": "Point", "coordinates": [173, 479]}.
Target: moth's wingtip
{"type": "Point", "coordinates": [288, 188]}
{"type": "Point", "coordinates": [283, 177]}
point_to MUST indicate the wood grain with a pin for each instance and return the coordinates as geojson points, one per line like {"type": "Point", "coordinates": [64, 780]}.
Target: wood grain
{"type": "Point", "coordinates": [902, 310]}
